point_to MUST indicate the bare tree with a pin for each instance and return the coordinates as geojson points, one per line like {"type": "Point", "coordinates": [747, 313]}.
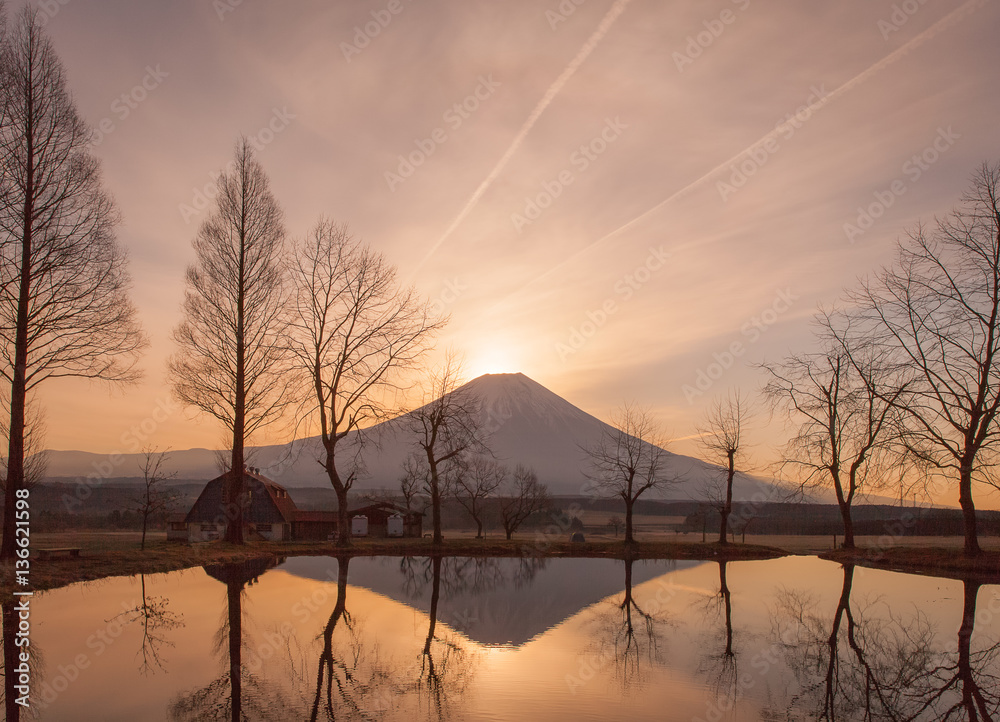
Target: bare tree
{"type": "Point", "coordinates": [154, 500]}
{"type": "Point", "coordinates": [523, 496]}
{"type": "Point", "coordinates": [477, 480]}
{"type": "Point", "coordinates": [843, 399]}
{"type": "Point", "coordinates": [938, 309]}
{"type": "Point", "coordinates": [445, 428]}
{"type": "Point", "coordinates": [64, 304]}
{"type": "Point", "coordinates": [413, 481]}
{"type": "Point", "coordinates": [232, 361]}
{"type": "Point", "coordinates": [628, 460]}
{"type": "Point", "coordinates": [356, 329]}
{"type": "Point", "coordinates": [616, 524]}
{"type": "Point", "coordinates": [722, 438]}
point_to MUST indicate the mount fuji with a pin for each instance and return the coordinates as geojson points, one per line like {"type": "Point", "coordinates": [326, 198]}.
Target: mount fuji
{"type": "Point", "coordinates": [527, 424]}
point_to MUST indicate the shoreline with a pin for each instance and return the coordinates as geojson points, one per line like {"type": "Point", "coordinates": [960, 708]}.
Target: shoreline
{"type": "Point", "coordinates": [162, 557]}
{"type": "Point", "coordinates": [926, 561]}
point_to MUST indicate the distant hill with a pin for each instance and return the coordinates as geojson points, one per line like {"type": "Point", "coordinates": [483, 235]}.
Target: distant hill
{"type": "Point", "coordinates": [528, 424]}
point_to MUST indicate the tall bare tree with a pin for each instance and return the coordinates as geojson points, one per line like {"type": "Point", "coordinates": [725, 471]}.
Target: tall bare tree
{"type": "Point", "coordinates": [64, 304]}
{"type": "Point", "coordinates": [154, 500]}
{"type": "Point", "coordinates": [522, 496]}
{"type": "Point", "coordinates": [843, 399]}
{"type": "Point", "coordinates": [356, 329]}
{"type": "Point", "coordinates": [938, 309]}
{"type": "Point", "coordinates": [477, 479]}
{"type": "Point", "coordinates": [232, 360]}
{"type": "Point", "coordinates": [444, 428]}
{"type": "Point", "coordinates": [722, 438]}
{"type": "Point", "coordinates": [628, 460]}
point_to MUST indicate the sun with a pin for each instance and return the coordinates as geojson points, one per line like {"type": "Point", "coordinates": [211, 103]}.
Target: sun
{"type": "Point", "coordinates": [491, 360]}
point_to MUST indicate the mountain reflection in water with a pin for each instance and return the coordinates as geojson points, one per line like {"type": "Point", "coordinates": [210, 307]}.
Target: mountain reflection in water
{"type": "Point", "coordinates": [324, 638]}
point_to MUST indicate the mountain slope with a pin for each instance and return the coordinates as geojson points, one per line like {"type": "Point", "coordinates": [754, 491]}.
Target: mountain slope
{"type": "Point", "coordinates": [528, 424]}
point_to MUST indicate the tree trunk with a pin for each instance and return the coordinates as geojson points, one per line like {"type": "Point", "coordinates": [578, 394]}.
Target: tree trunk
{"type": "Point", "coordinates": [435, 596]}
{"type": "Point", "coordinates": [10, 661]}
{"type": "Point", "coordinates": [479, 529]}
{"type": "Point", "coordinates": [727, 598]}
{"type": "Point", "coordinates": [435, 501]}
{"type": "Point", "coordinates": [965, 664]}
{"type": "Point", "coordinates": [19, 379]}
{"type": "Point", "coordinates": [343, 517]}
{"type": "Point", "coordinates": [727, 507]}
{"type": "Point", "coordinates": [509, 532]}
{"type": "Point", "coordinates": [972, 548]}
{"type": "Point", "coordinates": [845, 514]}
{"type": "Point", "coordinates": [628, 522]}
{"type": "Point", "coordinates": [235, 648]}
{"type": "Point", "coordinates": [234, 529]}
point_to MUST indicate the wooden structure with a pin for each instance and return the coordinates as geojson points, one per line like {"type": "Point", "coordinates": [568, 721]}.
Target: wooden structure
{"type": "Point", "coordinates": [269, 513]}
{"type": "Point", "coordinates": [46, 554]}
{"type": "Point", "coordinates": [322, 525]}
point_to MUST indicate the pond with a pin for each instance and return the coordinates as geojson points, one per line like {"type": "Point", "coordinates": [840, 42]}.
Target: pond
{"type": "Point", "coordinates": [516, 639]}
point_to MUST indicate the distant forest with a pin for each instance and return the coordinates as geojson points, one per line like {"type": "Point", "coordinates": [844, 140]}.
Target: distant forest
{"type": "Point", "coordinates": [112, 506]}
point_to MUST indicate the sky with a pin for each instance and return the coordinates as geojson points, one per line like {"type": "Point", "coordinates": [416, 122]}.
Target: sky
{"type": "Point", "coordinates": [622, 199]}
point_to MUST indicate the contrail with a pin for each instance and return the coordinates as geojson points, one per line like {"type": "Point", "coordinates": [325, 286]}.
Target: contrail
{"type": "Point", "coordinates": [928, 34]}
{"type": "Point", "coordinates": [602, 29]}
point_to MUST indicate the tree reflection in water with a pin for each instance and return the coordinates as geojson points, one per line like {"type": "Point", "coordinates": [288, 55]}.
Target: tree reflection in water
{"type": "Point", "coordinates": [868, 663]}
{"type": "Point", "coordinates": [11, 660]}
{"type": "Point", "coordinates": [156, 619]}
{"type": "Point", "coordinates": [720, 662]}
{"type": "Point", "coordinates": [628, 634]}
{"type": "Point", "coordinates": [964, 685]}
{"type": "Point", "coordinates": [356, 681]}
{"type": "Point", "coordinates": [238, 693]}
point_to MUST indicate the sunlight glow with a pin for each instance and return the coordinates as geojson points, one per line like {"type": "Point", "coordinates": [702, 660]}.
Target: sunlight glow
{"type": "Point", "coordinates": [491, 360]}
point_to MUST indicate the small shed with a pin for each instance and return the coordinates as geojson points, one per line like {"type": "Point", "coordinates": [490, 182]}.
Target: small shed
{"type": "Point", "coordinates": [394, 526]}
{"type": "Point", "coordinates": [378, 516]}
{"type": "Point", "coordinates": [359, 526]}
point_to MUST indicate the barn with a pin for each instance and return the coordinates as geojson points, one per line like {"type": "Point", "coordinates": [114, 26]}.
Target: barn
{"type": "Point", "coordinates": [272, 515]}
{"type": "Point", "coordinates": [269, 514]}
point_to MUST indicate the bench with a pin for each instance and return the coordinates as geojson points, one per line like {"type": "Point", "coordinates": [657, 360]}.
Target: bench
{"type": "Point", "coordinates": [71, 552]}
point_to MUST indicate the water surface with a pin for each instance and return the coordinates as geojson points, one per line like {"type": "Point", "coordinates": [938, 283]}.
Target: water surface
{"type": "Point", "coordinates": [510, 639]}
